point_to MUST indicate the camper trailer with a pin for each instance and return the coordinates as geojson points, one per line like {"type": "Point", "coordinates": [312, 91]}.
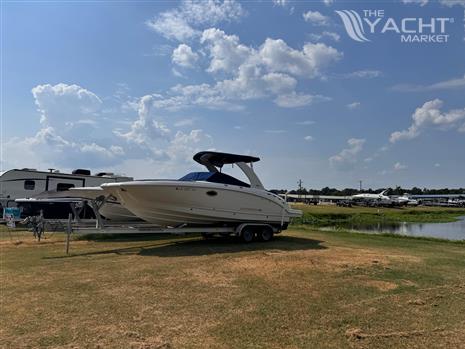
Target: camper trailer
{"type": "Point", "coordinates": [28, 183]}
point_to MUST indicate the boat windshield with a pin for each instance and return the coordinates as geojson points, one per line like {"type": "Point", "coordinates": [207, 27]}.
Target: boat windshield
{"type": "Point", "coordinates": [214, 177]}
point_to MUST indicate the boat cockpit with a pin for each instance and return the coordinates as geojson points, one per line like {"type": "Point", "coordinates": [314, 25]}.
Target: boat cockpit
{"type": "Point", "coordinates": [214, 161]}
{"type": "Point", "coordinates": [213, 177]}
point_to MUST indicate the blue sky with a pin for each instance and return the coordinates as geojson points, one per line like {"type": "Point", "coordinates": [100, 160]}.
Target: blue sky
{"type": "Point", "coordinates": [139, 87]}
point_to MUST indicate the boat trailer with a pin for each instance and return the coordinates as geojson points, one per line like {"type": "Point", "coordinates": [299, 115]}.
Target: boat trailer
{"type": "Point", "coordinates": [246, 231]}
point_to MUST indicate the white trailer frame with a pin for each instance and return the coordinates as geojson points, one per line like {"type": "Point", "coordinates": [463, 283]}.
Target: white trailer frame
{"type": "Point", "coordinates": [247, 231]}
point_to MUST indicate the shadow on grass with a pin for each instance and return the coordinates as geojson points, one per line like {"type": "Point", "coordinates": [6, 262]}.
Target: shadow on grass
{"type": "Point", "coordinates": [130, 237]}
{"type": "Point", "coordinates": [202, 247]}
{"type": "Point", "coordinates": [177, 247]}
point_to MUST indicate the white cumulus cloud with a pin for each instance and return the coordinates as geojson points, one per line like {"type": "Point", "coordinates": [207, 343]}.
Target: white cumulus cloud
{"type": "Point", "coordinates": [353, 105]}
{"type": "Point", "coordinates": [54, 145]}
{"type": "Point", "coordinates": [226, 52]}
{"type": "Point", "coordinates": [184, 22]}
{"type": "Point", "coordinates": [184, 56]}
{"type": "Point", "coordinates": [148, 136]}
{"type": "Point", "coordinates": [430, 115]}
{"type": "Point", "coordinates": [306, 63]}
{"type": "Point", "coordinates": [69, 115]}
{"type": "Point", "coordinates": [61, 103]}
{"type": "Point", "coordinates": [146, 128]}
{"type": "Point", "coordinates": [269, 71]}
{"type": "Point", "coordinates": [47, 148]}
{"type": "Point", "coordinates": [315, 18]}
{"type": "Point", "coordinates": [184, 145]}
{"type": "Point", "coordinates": [279, 82]}
{"type": "Point", "coordinates": [348, 157]}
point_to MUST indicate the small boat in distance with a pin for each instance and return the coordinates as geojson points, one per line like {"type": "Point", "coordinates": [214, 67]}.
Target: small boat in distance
{"type": "Point", "coordinates": [205, 198]}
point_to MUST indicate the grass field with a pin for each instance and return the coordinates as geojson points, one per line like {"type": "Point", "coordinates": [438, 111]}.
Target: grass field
{"type": "Point", "coordinates": [331, 215]}
{"type": "Point", "coordinates": [305, 289]}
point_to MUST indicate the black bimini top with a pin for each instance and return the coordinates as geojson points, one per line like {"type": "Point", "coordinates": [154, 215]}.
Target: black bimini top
{"type": "Point", "coordinates": [213, 177]}
{"type": "Point", "coordinates": [220, 159]}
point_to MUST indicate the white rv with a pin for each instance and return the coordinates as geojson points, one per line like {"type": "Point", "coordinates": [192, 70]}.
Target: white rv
{"type": "Point", "coordinates": [28, 183]}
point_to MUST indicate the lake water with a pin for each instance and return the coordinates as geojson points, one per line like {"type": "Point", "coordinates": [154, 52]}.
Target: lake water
{"type": "Point", "coordinates": [450, 231]}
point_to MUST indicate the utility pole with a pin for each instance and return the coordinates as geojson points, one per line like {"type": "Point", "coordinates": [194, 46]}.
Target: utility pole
{"type": "Point", "coordinates": [360, 182]}
{"type": "Point", "coordinates": [299, 182]}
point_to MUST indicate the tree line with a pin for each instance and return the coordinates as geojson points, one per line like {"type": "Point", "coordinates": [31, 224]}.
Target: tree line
{"type": "Point", "coordinates": [390, 191]}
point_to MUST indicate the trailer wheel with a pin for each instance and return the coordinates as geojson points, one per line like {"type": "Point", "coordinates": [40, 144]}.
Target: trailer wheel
{"type": "Point", "coordinates": [265, 234]}
{"type": "Point", "coordinates": [247, 234]}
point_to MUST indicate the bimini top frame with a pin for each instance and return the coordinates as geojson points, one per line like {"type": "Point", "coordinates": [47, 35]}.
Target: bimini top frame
{"type": "Point", "coordinates": [213, 160]}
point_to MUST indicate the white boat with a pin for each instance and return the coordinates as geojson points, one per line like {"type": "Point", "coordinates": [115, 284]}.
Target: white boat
{"type": "Point", "coordinates": [205, 198]}
{"type": "Point", "coordinates": [110, 208]}
{"type": "Point", "coordinates": [77, 199]}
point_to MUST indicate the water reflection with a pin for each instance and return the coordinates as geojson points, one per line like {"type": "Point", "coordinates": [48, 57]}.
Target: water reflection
{"type": "Point", "coordinates": [451, 230]}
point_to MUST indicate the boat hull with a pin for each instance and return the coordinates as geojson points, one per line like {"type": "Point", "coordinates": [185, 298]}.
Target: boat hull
{"type": "Point", "coordinates": [171, 203]}
{"type": "Point", "coordinates": [111, 210]}
{"type": "Point", "coordinates": [114, 211]}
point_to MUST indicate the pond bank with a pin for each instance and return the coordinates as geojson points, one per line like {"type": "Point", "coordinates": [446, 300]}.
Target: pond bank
{"type": "Point", "coordinates": [330, 215]}
{"type": "Point", "coordinates": [433, 222]}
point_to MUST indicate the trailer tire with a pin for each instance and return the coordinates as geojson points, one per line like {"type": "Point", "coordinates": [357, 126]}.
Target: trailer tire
{"type": "Point", "coordinates": [247, 234]}
{"type": "Point", "coordinates": [266, 234]}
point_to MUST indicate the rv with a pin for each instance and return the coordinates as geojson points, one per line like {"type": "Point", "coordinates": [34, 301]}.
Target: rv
{"type": "Point", "coordinates": [28, 183]}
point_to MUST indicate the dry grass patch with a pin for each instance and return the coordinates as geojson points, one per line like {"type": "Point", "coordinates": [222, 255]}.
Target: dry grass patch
{"type": "Point", "coordinates": [305, 289]}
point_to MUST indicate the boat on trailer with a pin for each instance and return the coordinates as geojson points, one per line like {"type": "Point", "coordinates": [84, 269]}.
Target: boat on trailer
{"type": "Point", "coordinates": [210, 198]}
